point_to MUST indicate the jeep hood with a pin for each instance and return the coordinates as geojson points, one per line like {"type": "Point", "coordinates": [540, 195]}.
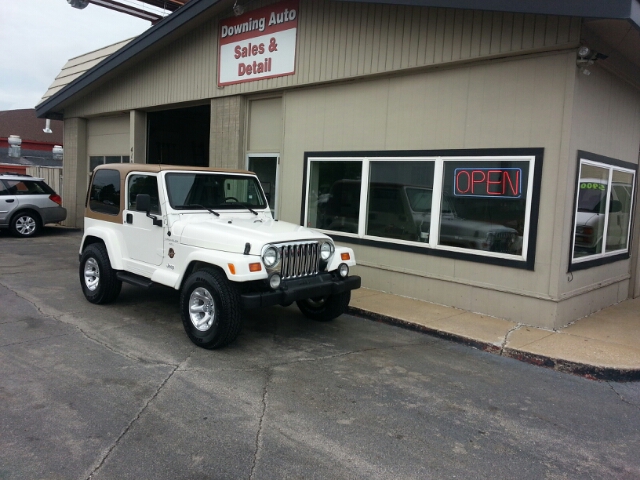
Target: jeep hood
{"type": "Point", "coordinates": [231, 234]}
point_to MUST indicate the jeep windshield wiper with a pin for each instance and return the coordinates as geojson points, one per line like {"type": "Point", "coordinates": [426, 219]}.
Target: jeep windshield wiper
{"type": "Point", "coordinates": [199, 206]}
{"type": "Point", "coordinates": [245, 205]}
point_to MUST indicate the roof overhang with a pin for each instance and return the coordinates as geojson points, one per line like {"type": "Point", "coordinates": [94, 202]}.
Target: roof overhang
{"type": "Point", "coordinates": [618, 9]}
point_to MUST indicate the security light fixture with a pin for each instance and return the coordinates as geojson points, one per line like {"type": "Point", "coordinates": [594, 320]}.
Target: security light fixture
{"type": "Point", "coordinates": [80, 4]}
{"type": "Point", "coordinates": [586, 58]}
{"type": "Point", "coordinates": [238, 9]}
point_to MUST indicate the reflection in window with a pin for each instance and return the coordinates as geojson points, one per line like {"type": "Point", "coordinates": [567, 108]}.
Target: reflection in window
{"type": "Point", "coordinates": [104, 196]}
{"type": "Point", "coordinates": [399, 199]}
{"type": "Point", "coordinates": [334, 195]}
{"type": "Point", "coordinates": [484, 205]}
{"type": "Point", "coordinates": [605, 194]}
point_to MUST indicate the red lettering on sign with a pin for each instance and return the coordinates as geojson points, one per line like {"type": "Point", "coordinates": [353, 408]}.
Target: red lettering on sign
{"type": "Point", "coordinates": [484, 182]}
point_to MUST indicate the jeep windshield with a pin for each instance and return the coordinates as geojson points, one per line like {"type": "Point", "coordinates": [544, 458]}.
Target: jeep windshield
{"type": "Point", "coordinates": [219, 191]}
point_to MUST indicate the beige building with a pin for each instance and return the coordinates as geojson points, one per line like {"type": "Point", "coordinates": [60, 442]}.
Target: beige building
{"type": "Point", "coordinates": [482, 156]}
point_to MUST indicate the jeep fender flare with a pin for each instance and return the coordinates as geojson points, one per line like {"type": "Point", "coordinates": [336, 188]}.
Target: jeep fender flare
{"type": "Point", "coordinates": [224, 261]}
{"type": "Point", "coordinates": [110, 240]}
{"type": "Point", "coordinates": [336, 260]}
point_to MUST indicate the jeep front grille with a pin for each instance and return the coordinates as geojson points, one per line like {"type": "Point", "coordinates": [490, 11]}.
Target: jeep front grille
{"type": "Point", "coordinates": [299, 259]}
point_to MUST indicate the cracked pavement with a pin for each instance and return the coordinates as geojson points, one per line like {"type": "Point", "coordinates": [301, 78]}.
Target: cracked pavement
{"type": "Point", "coordinates": [119, 392]}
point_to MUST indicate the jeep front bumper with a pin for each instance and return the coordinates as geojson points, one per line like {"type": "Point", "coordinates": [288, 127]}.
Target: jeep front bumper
{"type": "Point", "coordinates": [299, 289]}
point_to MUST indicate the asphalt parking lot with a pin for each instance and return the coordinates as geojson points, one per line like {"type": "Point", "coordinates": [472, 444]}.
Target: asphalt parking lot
{"type": "Point", "coordinates": [119, 392]}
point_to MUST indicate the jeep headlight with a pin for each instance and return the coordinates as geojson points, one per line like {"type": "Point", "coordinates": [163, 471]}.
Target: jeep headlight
{"type": "Point", "coordinates": [326, 250]}
{"type": "Point", "coordinates": [270, 257]}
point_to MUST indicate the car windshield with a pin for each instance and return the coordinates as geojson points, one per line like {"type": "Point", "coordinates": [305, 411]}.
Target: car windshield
{"type": "Point", "coordinates": [419, 199]}
{"type": "Point", "coordinates": [219, 191]}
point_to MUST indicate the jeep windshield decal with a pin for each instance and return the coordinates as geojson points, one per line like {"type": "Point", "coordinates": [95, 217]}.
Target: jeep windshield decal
{"type": "Point", "coordinates": [219, 191]}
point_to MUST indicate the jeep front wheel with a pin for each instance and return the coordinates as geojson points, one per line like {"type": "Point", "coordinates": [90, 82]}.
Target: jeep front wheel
{"type": "Point", "coordinates": [210, 309]}
{"type": "Point", "coordinates": [324, 309]}
{"type": "Point", "coordinates": [98, 279]}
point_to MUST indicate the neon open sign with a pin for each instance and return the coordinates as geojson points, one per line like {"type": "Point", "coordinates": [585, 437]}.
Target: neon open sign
{"type": "Point", "coordinates": [487, 182]}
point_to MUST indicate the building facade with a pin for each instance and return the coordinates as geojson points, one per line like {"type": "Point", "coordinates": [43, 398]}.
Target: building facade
{"type": "Point", "coordinates": [483, 159]}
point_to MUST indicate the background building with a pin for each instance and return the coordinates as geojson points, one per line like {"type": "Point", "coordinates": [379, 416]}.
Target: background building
{"type": "Point", "coordinates": [482, 155]}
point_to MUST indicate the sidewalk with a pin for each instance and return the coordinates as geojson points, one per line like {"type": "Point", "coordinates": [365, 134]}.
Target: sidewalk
{"type": "Point", "coordinates": [605, 345]}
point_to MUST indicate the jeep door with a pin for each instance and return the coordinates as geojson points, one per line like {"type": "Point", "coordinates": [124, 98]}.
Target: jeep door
{"type": "Point", "coordinates": [144, 240]}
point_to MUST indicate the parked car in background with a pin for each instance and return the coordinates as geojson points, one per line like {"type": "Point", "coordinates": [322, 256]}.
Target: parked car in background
{"type": "Point", "coordinates": [27, 203]}
{"type": "Point", "coordinates": [404, 212]}
{"type": "Point", "coordinates": [591, 215]}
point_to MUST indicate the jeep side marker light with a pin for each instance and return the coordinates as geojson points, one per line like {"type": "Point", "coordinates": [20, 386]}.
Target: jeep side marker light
{"type": "Point", "coordinates": [255, 267]}
{"type": "Point", "coordinates": [232, 268]}
{"type": "Point", "coordinates": [345, 256]}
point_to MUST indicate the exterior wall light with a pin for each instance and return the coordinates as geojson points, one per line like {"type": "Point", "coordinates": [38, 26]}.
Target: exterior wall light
{"type": "Point", "coordinates": [586, 58]}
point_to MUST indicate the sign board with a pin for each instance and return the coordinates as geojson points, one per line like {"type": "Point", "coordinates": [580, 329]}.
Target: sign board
{"type": "Point", "coordinates": [258, 44]}
{"type": "Point", "coordinates": [487, 182]}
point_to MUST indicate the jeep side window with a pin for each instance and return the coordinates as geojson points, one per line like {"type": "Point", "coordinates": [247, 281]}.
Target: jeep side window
{"type": "Point", "coordinates": [105, 192]}
{"type": "Point", "coordinates": [143, 184]}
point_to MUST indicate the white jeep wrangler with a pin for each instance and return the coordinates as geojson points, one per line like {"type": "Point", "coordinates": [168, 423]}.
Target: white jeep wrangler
{"type": "Point", "coordinates": [208, 233]}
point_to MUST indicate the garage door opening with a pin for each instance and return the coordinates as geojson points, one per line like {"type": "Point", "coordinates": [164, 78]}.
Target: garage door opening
{"type": "Point", "coordinates": [179, 136]}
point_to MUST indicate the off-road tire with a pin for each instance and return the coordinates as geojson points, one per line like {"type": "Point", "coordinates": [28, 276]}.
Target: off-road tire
{"type": "Point", "coordinates": [208, 297]}
{"type": "Point", "coordinates": [25, 224]}
{"type": "Point", "coordinates": [98, 280]}
{"type": "Point", "coordinates": [325, 309]}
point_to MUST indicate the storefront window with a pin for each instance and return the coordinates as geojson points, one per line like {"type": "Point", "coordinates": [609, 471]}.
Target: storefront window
{"type": "Point", "coordinates": [399, 199]}
{"type": "Point", "coordinates": [94, 161]}
{"type": "Point", "coordinates": [475, 205]}
{"type": "Point", "coordinates": [484, 205]}
{"type": "Point", "coordinates": [604, 204]}
{"type": "Point", "coordinates": [333, 200]}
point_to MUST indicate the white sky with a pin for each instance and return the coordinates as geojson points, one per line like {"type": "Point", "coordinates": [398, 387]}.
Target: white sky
{"type": "Point", "coordinates": [37, 37]}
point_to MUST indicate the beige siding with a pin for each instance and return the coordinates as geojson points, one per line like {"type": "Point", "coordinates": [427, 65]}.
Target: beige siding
{"type": "Point", "coordinates": [336, 41]}
{"type": "Point", "coordinates": [265, 125]}
{"type": "Point", "coordinates": [227, 132]}
{"type": "Point", "coordinates": [606, 121]}
{"type": "Point", "coordinates": [75, 165]}
{"type": "Point", "coordinates": [108, 135]}
{"type": "Point", "coordinates": [497, 105]}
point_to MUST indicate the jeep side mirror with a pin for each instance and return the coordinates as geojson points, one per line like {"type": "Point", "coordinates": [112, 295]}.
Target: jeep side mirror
{"type": "Point", "coordinates": [143, 202]}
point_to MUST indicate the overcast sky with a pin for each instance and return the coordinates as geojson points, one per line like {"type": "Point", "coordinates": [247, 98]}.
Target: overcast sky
{"type": "Point", "coordinates": [37, 37]}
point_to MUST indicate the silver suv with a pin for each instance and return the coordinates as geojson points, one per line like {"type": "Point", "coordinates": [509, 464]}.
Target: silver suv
{"type": "Point", "coordinates": [27, 203]}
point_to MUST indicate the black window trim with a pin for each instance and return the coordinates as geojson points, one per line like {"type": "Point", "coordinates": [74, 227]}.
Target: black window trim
{"type": "Point", "coordinates": [596, 262]}
{"type": "Point", "coordinates": [528, 264]}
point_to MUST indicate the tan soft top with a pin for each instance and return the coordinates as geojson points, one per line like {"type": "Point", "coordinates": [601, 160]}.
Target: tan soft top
{"type": "Point", "coordinates": [125, 168]}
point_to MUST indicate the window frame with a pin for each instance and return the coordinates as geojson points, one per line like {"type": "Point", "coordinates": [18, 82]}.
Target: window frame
{"type": "Point", "coordinates": [104, 160]}
{"type": "Point", "coordinates": [610, 164]}
{"type": "Point", "coordinates": [532, 155]}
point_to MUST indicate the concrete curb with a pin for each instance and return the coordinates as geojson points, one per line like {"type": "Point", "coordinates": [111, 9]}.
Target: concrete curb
{"type": "Point", "coordinates": [592, 372]}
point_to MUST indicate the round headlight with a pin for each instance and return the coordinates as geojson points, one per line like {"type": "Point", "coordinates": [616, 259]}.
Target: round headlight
{"type": "Point", "coordinates": [343, 270]}
{"type": "Point", "coordinates": [326, 250]}
{"type": "Point", "coordinates": [274, 281]}
{"type": "Point", "coordinates": [270, 257]}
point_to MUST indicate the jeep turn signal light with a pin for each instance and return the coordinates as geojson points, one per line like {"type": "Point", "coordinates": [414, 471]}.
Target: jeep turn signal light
{"type": "Point", "coordinates": [232, 268]}
{"type": "Point", "coordinates": [345, 256]}
{"type": "Point", "coordinates": [255, 267]}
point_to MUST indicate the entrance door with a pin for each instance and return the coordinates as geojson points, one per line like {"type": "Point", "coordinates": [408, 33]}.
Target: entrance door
{"type": "Point", "coordinates": [266, 167]}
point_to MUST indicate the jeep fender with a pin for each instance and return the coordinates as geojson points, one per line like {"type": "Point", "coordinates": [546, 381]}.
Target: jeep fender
{"type": "Point", "coordinates": [336, 260]}
{"type": "Point", "coordinates": [226, 262]}
{"type": "Point", "coordinates": [111, 242]}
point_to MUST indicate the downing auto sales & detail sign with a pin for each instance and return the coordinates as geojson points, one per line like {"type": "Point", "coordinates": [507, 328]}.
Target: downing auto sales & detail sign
{"type": "Point", "coordinates": [259, 44]}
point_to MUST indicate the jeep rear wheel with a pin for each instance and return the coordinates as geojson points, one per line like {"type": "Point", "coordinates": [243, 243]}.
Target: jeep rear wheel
{"type": "Point", "coordinates": [210, 309]}
{"type": "Point", "coordinates": [97, 278]}
{"type": "Point", "coordinates": [325, 309]}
